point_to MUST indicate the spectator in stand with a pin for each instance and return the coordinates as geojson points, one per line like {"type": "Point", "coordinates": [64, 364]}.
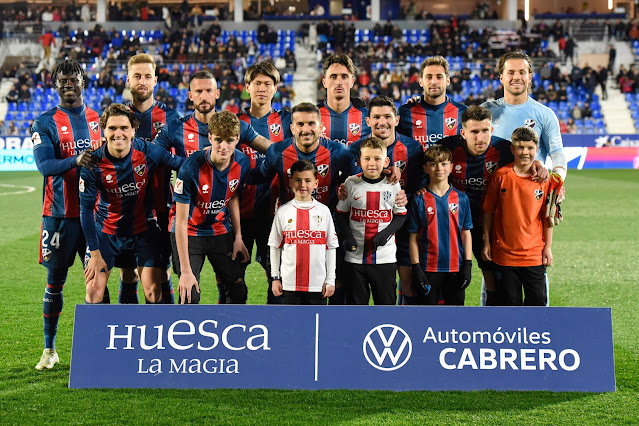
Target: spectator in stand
{"type": "Point", "coordinates": [571, 126]}
{"type": "Point", "coordinates": [571, 45]}
{"type": "Point", "coordinates": [14, 95]}
{"type": "Point", "coordinates": [586, 111]}
{"type": "Point", "coordinates": [46, 40]}
{"type": "Point", "coordinates": [602, 79]}
{"type": "Point", "coordinates": [25, 94]}
{"type": "Point", "coordinates": [576, 112]}
{"type": "Point", "coordinates": [3, 129]}
{"type": "Point", "coordinates": [612, 55]}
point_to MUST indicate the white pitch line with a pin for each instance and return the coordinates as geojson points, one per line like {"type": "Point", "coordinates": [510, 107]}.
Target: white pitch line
{"type": "Point", "coordinates": [26, 190]}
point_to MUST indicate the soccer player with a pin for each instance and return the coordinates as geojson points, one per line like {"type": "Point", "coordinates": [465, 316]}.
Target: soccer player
{"type": "Point", "coordinates": [63, 139]}
{"type": "Point", "coordinates": [439, 224]}
{"type": "Point", "coordinates": [153, 117]}
{"type": "Point", "coordinates": [435, 115]}
{"type": "Point", "coordinates": [257, 202]}
{"type": "Point", "coordinates": [517, 109]}
{"type": "Point", "coordinates": [123, 221]}
{"type": "Point", "coordinates": [207, 219]}
{"type": "Point", "coordinates": [303, 243]}
{"type": "Point", "coordinates": [343, 121]}
{"type": "Point", "coordinates": [368, 220]}
{"type": "Point", "coordinates": [477, 154]}
{"type": "Point", "coordinates": [517, 236]}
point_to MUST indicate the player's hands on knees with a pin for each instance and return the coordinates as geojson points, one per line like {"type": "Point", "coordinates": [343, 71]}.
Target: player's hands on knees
{"type": "Point", "coordinates": [342, 192]}
{"type": "Point", "coordinates": [94, 266]}
{"type": "Point", "coordinates": [486, 253]}
{"type": "Point", "coordinates": [240, 248]}
{"type": "Point", "coordinates": [546, 256]}
{"type": "Point", "coordinates": [187, 281]}
{"type": "Point", "coordinates": [401, 199]}
{"type": "Point", "coordinates": [539, 172]}
{"type": "Point", "coordinates": [87, 159]}
{"type": "Point", "coordinates": [327, 290]}
{"type": "Point", "coordinates": [276, 287]}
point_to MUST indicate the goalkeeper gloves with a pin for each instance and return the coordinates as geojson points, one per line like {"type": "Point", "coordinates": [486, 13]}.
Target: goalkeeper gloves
{"type": "Point", "coordinates": [464, 274]}
{"type": "Point", "coordinates": [420, 282]}
{"type": "Point", "coordinates": [553, 209]}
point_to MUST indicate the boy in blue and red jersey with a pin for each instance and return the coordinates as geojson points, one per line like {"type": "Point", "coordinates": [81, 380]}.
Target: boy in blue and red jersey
{"type": "Point", "coordinates": [435, 115]}
{"type": "Point", "coordinates": [123, 221]}
{"type": "Point", "coordinates": [257, 202]}
{"type": "Point", "coordinates": [343, 121]}
{"type": "Point", "coordinates": [440, 242]}
{"type": "Point", "coordinates": [207, 220]}
{"type": "Point", "coordinates": [63, 139]}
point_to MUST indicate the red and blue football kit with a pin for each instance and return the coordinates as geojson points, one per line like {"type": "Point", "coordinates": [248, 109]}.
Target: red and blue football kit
{"type": "Point", "coordinates": [429, 123]}
{"type": "Point", "coordinates": [346, 127]}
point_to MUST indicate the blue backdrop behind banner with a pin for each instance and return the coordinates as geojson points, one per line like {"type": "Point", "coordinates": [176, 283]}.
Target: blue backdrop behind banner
{"type": "Point", "coordinates": [353, 347]}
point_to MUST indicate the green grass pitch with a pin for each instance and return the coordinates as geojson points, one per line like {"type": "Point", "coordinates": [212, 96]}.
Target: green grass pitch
{"type": "Point", "coordinates": [596, 252]}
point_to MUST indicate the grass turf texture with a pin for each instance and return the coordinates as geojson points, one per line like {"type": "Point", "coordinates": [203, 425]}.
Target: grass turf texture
{"type": "Point", "coordinates": [595, 253]}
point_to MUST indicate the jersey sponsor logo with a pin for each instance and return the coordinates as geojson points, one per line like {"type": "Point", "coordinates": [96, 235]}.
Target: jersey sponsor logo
{"type": "Point", "coordinates": [387, 341]}
{"type": "Point", "coordinates": [357, 198]}
{"type": "Point", "coordinates": [322, 169]}
{"type": "Point", "coordinates": [458, 168]}
{"type": "Point", "coordinates": [387, 195]}
{"type": "Point", "coordinates": [538, 194]}
{"type": "Point", "coordinates": [370, 215]}
{"type": "Point", "coordinates": [418, 124]}
{"type": "Point", "coordinates": [317, 220]}
{"type": "Point", "coordinates": [205, 189]}
{"type": "Point", "coordinates": [450, 122]}
{"type": "Point", "coordinates": [430, 210]}
{"type": "Point", "coordinates": [179, 186]}
{"type": "Point", "coordinates": [401, 165]}
{"type": "Point", "coordinates": [140, 169]}
{"type": "Point", "coordinates": [64, 130]}
{"type": "Point", "coordinates": [354, 128]}
{"type": "Point", "coordinates": [233, 184]}
{"type": "Point", "coordinates": [529, 122]}
{"type": "Point", "coordinates": [491, 166]}
{"type": "Point", "coordinates": [46, 254]}
{"type": "Point", "coordinates": [94, 126]}
{"type": "Point", "coordinates": [190, 136]}
{"type": "Point", "coordinates": [81, 185]}
{"type": "Point", "coordinates": [109, 178]}
{"type": "Point", "coordinates": [476, 184]}
{"type": "Point", "coordinates": [128, 189]}
{"type": "Point", "coordinates": [275, 129]}
{"type": "Point", "coordinates": [35, 138]}
{"type": "Point", "coordinates": [304, 236]}
{"type": "Point", "coordinates": [157, 126]}
{"type": "Point", "coordinates": [453, 207]}
{"type": "Point", "coordinates": [211, 207]}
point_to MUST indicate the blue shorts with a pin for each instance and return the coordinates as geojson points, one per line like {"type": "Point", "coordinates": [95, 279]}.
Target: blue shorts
{"type": "Point", "coordinates": [403, 253]}
{"type": "Point", "coordinates": [143, 247]}
{"type": "Point", "coordinates": [60, 240]}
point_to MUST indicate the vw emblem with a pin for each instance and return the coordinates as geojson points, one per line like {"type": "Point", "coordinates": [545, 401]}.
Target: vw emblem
{"type": "Point", "coordinates": [387, 341]}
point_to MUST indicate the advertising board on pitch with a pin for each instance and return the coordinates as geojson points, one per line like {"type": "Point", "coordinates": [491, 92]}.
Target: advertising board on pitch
{"type": "Point", "coordinates": [342, 347]}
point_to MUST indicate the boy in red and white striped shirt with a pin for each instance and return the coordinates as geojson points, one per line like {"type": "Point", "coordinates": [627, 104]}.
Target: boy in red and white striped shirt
{"type": "Point", "coordinates": [303, 243]}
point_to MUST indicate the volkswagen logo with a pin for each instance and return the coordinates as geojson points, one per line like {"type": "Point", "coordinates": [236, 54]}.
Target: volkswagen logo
{"type": "Point", "coordinates": [387, 347]}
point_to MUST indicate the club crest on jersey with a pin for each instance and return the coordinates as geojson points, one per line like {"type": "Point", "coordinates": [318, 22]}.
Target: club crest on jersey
{"type": "Point", "coordinates": [354, 128]}
{"type": "Point", "coordinates": [233, 184]}
{"type": "Point", "coordinates": [275, 129]}
{"type": "Point", "coordinates": [322, 169]}
{"type": "Point", "coordinates": [491, 166]}
{"type": "Point", "coordinates": [317, 220]}
{"type": "Point", "coordinates": [538, 194]}
{"type": "Point", "coordinates": [205, 189]}
{"type": "Point", "coordinates": [94, 126]}
{"type": "Point", "coordinates": [157, 126]}
{"type": "Point", "coordinates": [387, 195]}
{"type": "Point", "coordinates": [179, 186]}
{"type": "Point", "coordinates": [529, 122]}
{"type": "Point", "coordinates": [453, 207]}
{"type": "Point", "coordinates": [450, 122]}
{"type": "Point", "coordinates": [81, 185]}
{"type": "Point", "coordinates": [46, 254]}
{"type": "Point", "coordinates": [140, 169]}
{"type": "Point", "coordinates": [35, 138]}
{"type": "Point", "coordinates": [401, 165]}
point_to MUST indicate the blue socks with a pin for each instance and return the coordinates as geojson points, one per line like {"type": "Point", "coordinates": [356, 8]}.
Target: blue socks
{"type": "Point", "coordinates": [168, 295]}
{"type": "Point", "coordinates": [52, 304]}
{"type": "Point", "coordinates": [128, 293]}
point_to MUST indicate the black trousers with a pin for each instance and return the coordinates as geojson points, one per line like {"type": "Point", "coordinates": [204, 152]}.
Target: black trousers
{"type": "Point", "coordinates": [444, 284]}
{"type": "Point", "coordinates": [524, 282]}
{"type": "Point", "coordinates": [302, 298]}
{"type": "Point", "coordinates": [380, 278]}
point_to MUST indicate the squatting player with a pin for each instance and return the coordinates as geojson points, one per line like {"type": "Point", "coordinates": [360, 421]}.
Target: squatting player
{"type": "Point", "coordinates": [63, 139]}
{"type": "Point", "coordinates": [123, 222]}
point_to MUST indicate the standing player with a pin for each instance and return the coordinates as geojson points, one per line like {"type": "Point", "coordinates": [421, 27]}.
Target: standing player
{"type": "Point", "coordinates": [123, 221]}
{"type": "Point", "coordinates": [63, 139]}
{"type": "Point", "coordinates": [257, 202]}
{"type": "Point", "coordinates": [343, 121]}
{"type": "Point", "coordinates": [207, 207]}
{"type": "Point", "coordinates": [517, 109]}
{"type": "Point", "coordinates": [434, 115]}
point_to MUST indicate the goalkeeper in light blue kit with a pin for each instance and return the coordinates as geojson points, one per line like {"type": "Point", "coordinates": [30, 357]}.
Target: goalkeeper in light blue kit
{"type": "Point", "coordinates": [517, 109]}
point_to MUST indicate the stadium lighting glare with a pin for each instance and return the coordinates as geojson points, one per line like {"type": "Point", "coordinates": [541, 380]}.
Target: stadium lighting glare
{"type": "Point", "coordinates": [609, 4]}
{"type": "Point", "coordinates": [527, 10]}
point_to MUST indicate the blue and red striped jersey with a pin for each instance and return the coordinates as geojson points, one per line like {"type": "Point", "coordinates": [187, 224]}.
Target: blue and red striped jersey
{"type": "Point", "coordinates": [471, 173]}
{"type": "Point", "coordinates": [333, 160]}
{"type": "Point", "coordinates": [159, 117]}
{"type": "Point", "coordinates": [208, 190]}
{"type": "Point", "coordinates": [439, 222]}
{"type": "Point", "coordinates": [259, 200]}
{"type": "Point", "coordinates": [125, 207]}
{"type": "Point", "coordinates": [407, 155]}
{"type": "Point", "coordinates": [429, 123]}
{"type": "Point", "coordinates": [58, 136]}
{"type": "Point", "coordinates": [346, 127]}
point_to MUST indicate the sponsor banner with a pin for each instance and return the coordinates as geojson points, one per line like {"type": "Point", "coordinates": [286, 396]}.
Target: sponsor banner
{"type": "Point", "coordinates": [601, 158]}
{"type": "Point", "coordinates": [16, 142]}
{"type": "Point", "coordinates": [607, 140]}
{"type": "Point", "coordinates": [343, 347]}
{"type": "Point", "coordinates": [17, 159]}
